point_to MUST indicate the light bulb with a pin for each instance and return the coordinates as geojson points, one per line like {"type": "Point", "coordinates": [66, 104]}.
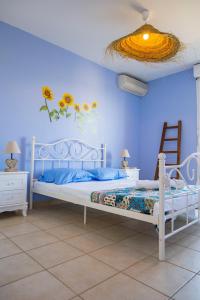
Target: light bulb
{"type": "Point", "coordinates": [145, 36]}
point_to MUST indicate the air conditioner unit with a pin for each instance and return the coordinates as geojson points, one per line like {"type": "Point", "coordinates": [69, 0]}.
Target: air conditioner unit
{"type": "Point", "coordinates": [132, 85]}
{"type": "Point", "coordinates": [196, 71]}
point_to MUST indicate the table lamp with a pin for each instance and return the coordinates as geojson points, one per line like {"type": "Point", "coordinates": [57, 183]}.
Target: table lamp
{"type": "Point", "coordinates": [125, 154]}
{"type": "Point", "coordinates": [12, 148]}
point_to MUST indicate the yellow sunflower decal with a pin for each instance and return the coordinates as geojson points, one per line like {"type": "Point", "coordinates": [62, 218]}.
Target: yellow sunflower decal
{"type": "Point", "coordinates": [68, 99]}
{"type": "Point", "coordinates": [86, 107]}
{"type": "Point", "coordinates": [62, 104]}
{"type": "Point", "coordinates": [77, 107]}
{"type": "Point", "coordinates": [94, 104]}
{"type": "Point", "coordinates": [47, 93]}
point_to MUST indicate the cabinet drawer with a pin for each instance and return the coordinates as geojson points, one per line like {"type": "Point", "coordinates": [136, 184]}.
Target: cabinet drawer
{"type": "Point", "coordinates": [134, 177]}
{"type": "Point", "coordinates": [11, 198]}
{"type": "Point", "coordinates": [12, 182]}
{"type": "Point", "coordinates": [132, 174]}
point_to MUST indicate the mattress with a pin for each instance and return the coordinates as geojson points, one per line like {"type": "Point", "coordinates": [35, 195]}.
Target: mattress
{"type": "Point", "coordinates": [80, 190]}
{"type": "Point", "coordinates": [80, 193]}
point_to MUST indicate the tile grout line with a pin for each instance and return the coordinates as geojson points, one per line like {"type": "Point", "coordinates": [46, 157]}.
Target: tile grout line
{"type": "Point", "coordinates": [183, 285]}
{"type": "Point", "coordinates": [65, 241]}
{"type": "Point", "coordinates": [88, 253]}
{"type": "Point", "coordinates": [43, 269]}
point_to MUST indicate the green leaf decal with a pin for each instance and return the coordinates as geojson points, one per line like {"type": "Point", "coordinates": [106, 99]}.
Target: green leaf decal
{"type": "Point", "coordinates": [51, 114]}
{"type": "Point", "coordinates": [43, 107]}
{"type": "Point", "coordinates": [68, 115]}
{"type": "Point", "coordinates": [62, 112]}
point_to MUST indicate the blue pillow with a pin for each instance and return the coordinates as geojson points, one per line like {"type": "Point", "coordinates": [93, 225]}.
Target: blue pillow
{"type": "Point", "coordinates": [107, 173]}
{"type": "Point", "coordinates": [65, 175]}
{"type": "Point", "coordinates": [48, 176]}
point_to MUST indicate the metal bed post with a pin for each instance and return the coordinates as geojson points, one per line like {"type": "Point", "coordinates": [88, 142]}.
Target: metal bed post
{"type": "Point", "coordinates": [32, 172]}
{"type": "Point", "coordinates": [85, 215]}
{"type": "Point", "coordinates": [161, 221]}
{"type": "Point", "coordinates": [198, 183]}
{"type": "Point", "coordinates": [103, 155]}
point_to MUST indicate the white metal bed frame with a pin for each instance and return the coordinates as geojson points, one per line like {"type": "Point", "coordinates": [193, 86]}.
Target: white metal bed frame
{"type": "Point", "coordinates": [76, 151]}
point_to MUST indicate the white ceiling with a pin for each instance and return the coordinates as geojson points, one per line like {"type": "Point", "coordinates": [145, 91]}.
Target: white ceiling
{"type": "Point", "coordinates": [86, 27]}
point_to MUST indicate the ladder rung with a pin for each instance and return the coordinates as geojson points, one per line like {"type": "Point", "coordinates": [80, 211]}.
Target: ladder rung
{"type": "Point", "coordinates": [170, 151]}
{"type": "Point", "coordinates": [172, 127]}
{"type": "Point", "coordinates": [170, 164]}
{"type": "Point", "coordinates": [171, 139]}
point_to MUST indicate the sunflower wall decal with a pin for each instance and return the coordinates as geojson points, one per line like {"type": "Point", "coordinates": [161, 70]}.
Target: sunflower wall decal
{"type": "Point", "coordinates": [67, 107]}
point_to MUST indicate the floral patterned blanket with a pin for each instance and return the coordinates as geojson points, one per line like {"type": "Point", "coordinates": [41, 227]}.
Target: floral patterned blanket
{"type": "Point", "coordinates": [137, 200]}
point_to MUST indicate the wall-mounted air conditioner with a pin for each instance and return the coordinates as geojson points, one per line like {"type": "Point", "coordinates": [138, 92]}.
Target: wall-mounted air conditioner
{"type": "Point", "coordinates": [132, 85]}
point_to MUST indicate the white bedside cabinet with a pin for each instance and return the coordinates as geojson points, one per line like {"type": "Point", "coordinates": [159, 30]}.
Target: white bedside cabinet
{"type": "Point", "coordinates": [133, 173]}
{"type": "Point", "coordinates": [13, 191]}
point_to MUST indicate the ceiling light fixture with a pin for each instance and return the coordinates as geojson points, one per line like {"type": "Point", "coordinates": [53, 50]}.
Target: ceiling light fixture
{"type": "Point", "coordinates": [146, 44]}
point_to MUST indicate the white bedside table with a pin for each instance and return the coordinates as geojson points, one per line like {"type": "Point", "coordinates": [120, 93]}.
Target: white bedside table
{"type": "Point", "coordinates": [133, 173]}
{"type": "Point", "coordinates": [13, 191]}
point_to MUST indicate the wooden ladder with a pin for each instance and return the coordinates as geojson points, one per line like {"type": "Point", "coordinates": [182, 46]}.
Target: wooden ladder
{"type": "Point", "coordinates": [177, 151]}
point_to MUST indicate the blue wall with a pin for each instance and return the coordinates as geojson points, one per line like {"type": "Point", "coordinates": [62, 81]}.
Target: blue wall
{"type": "Point", "coordinates": [125, 121]}
{"type": "Point", "coordinates": [170, 99]}
{"type": "Point", "coordinates": [26, 64]}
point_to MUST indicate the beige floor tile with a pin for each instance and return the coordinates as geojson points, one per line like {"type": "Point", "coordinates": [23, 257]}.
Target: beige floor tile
{"type": "Point", "coordinates": [34, 240]}
{"type": "Point", "coordinates": [142, 242]}
{"type": "Point", "coordinates": [77, 298]}
{"type": "Point", "coordinates": [47, 223]}
{"type": "Point", "coordinates": [119, 256]}
{"type": "Point", "coordinates": [8, 248]}
{"type": "Point", "coordinates": [32, 217]}
{"type": "Point", "coordinates": [151, 232]}
{"type": "Point", "coordinates": [89, 242]}
{"type": "Point", "coordinates": [40, 286]}
{"type": "Point", "coordinates": [2, 236]}
{"type": "Point", "coordinates": [177, 237]}
{"type": "Point", "coordinates": [82, 273]}
{"type": "Point", "coordinates": [194, 230]}
{"type": "Point", "coordinates": [111, 219]}
{"type": "Point", "coordinates": [190, 291]}
{"type": "Point", "coordinates": [161, 276]}
{"type": "Point", "coordinates": [54, 254]}
{"type": "Point", "coordinates": [11, 219]}
{"type": "Point", "coordinates": [183, 257]}
{"type": "Point", "coordinates": [18, 229]}
{"type": "Point", "coordinates": [135, 225]}
{"type": "Point", "coordinates": [16, 267]}
{"type": "Point", "coordinates": [93, 224]}
{"type": "Point", "coordinates": [116, 232]}
{"type": "Point", "coordinates": [190, 241]}
{"type": "Point", "coordinates": [122, 287]}
{"type": "Point", "coordinates": [66, 231]}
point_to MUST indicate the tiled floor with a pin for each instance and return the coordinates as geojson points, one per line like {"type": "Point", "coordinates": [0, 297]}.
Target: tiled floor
{"type": "Point", "coordinates": [51, 255]}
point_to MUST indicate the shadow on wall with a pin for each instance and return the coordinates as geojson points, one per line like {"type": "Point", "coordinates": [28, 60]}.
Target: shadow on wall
{"type": "Point", "coordinates": [108, 159]}
{"type": "Point", "coordinates": [23, 148]}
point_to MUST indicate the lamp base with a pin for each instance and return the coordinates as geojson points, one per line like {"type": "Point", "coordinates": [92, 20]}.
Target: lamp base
{"type": "Point", "coordinates": [11, 163]}
{"type": "Point", "coordinates": [124, 164]}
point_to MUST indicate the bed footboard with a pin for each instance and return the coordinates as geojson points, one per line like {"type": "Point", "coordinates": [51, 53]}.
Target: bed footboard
{"type": "Point", "coordinates": [193, 177]}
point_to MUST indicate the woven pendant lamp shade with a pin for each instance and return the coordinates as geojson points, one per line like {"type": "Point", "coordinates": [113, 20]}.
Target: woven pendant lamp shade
{"type": "Point", "coordinates": [146, 44]}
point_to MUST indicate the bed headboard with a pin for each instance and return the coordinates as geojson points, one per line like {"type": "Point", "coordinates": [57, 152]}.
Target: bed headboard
{"type": "Point", "coordinates": [66, 151]}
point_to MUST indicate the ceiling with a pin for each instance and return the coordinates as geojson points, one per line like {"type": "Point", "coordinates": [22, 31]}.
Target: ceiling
{"type": "Point", "coordinates": [86, 27]}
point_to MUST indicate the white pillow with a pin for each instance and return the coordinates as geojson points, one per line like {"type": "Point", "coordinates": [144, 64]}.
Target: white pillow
{"type": "Point", "coordinates": [154, 184]}
{"type": "Point", "coordinates": [147, 184]}
{"type": "Point", "coordinates": [177, 183]}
